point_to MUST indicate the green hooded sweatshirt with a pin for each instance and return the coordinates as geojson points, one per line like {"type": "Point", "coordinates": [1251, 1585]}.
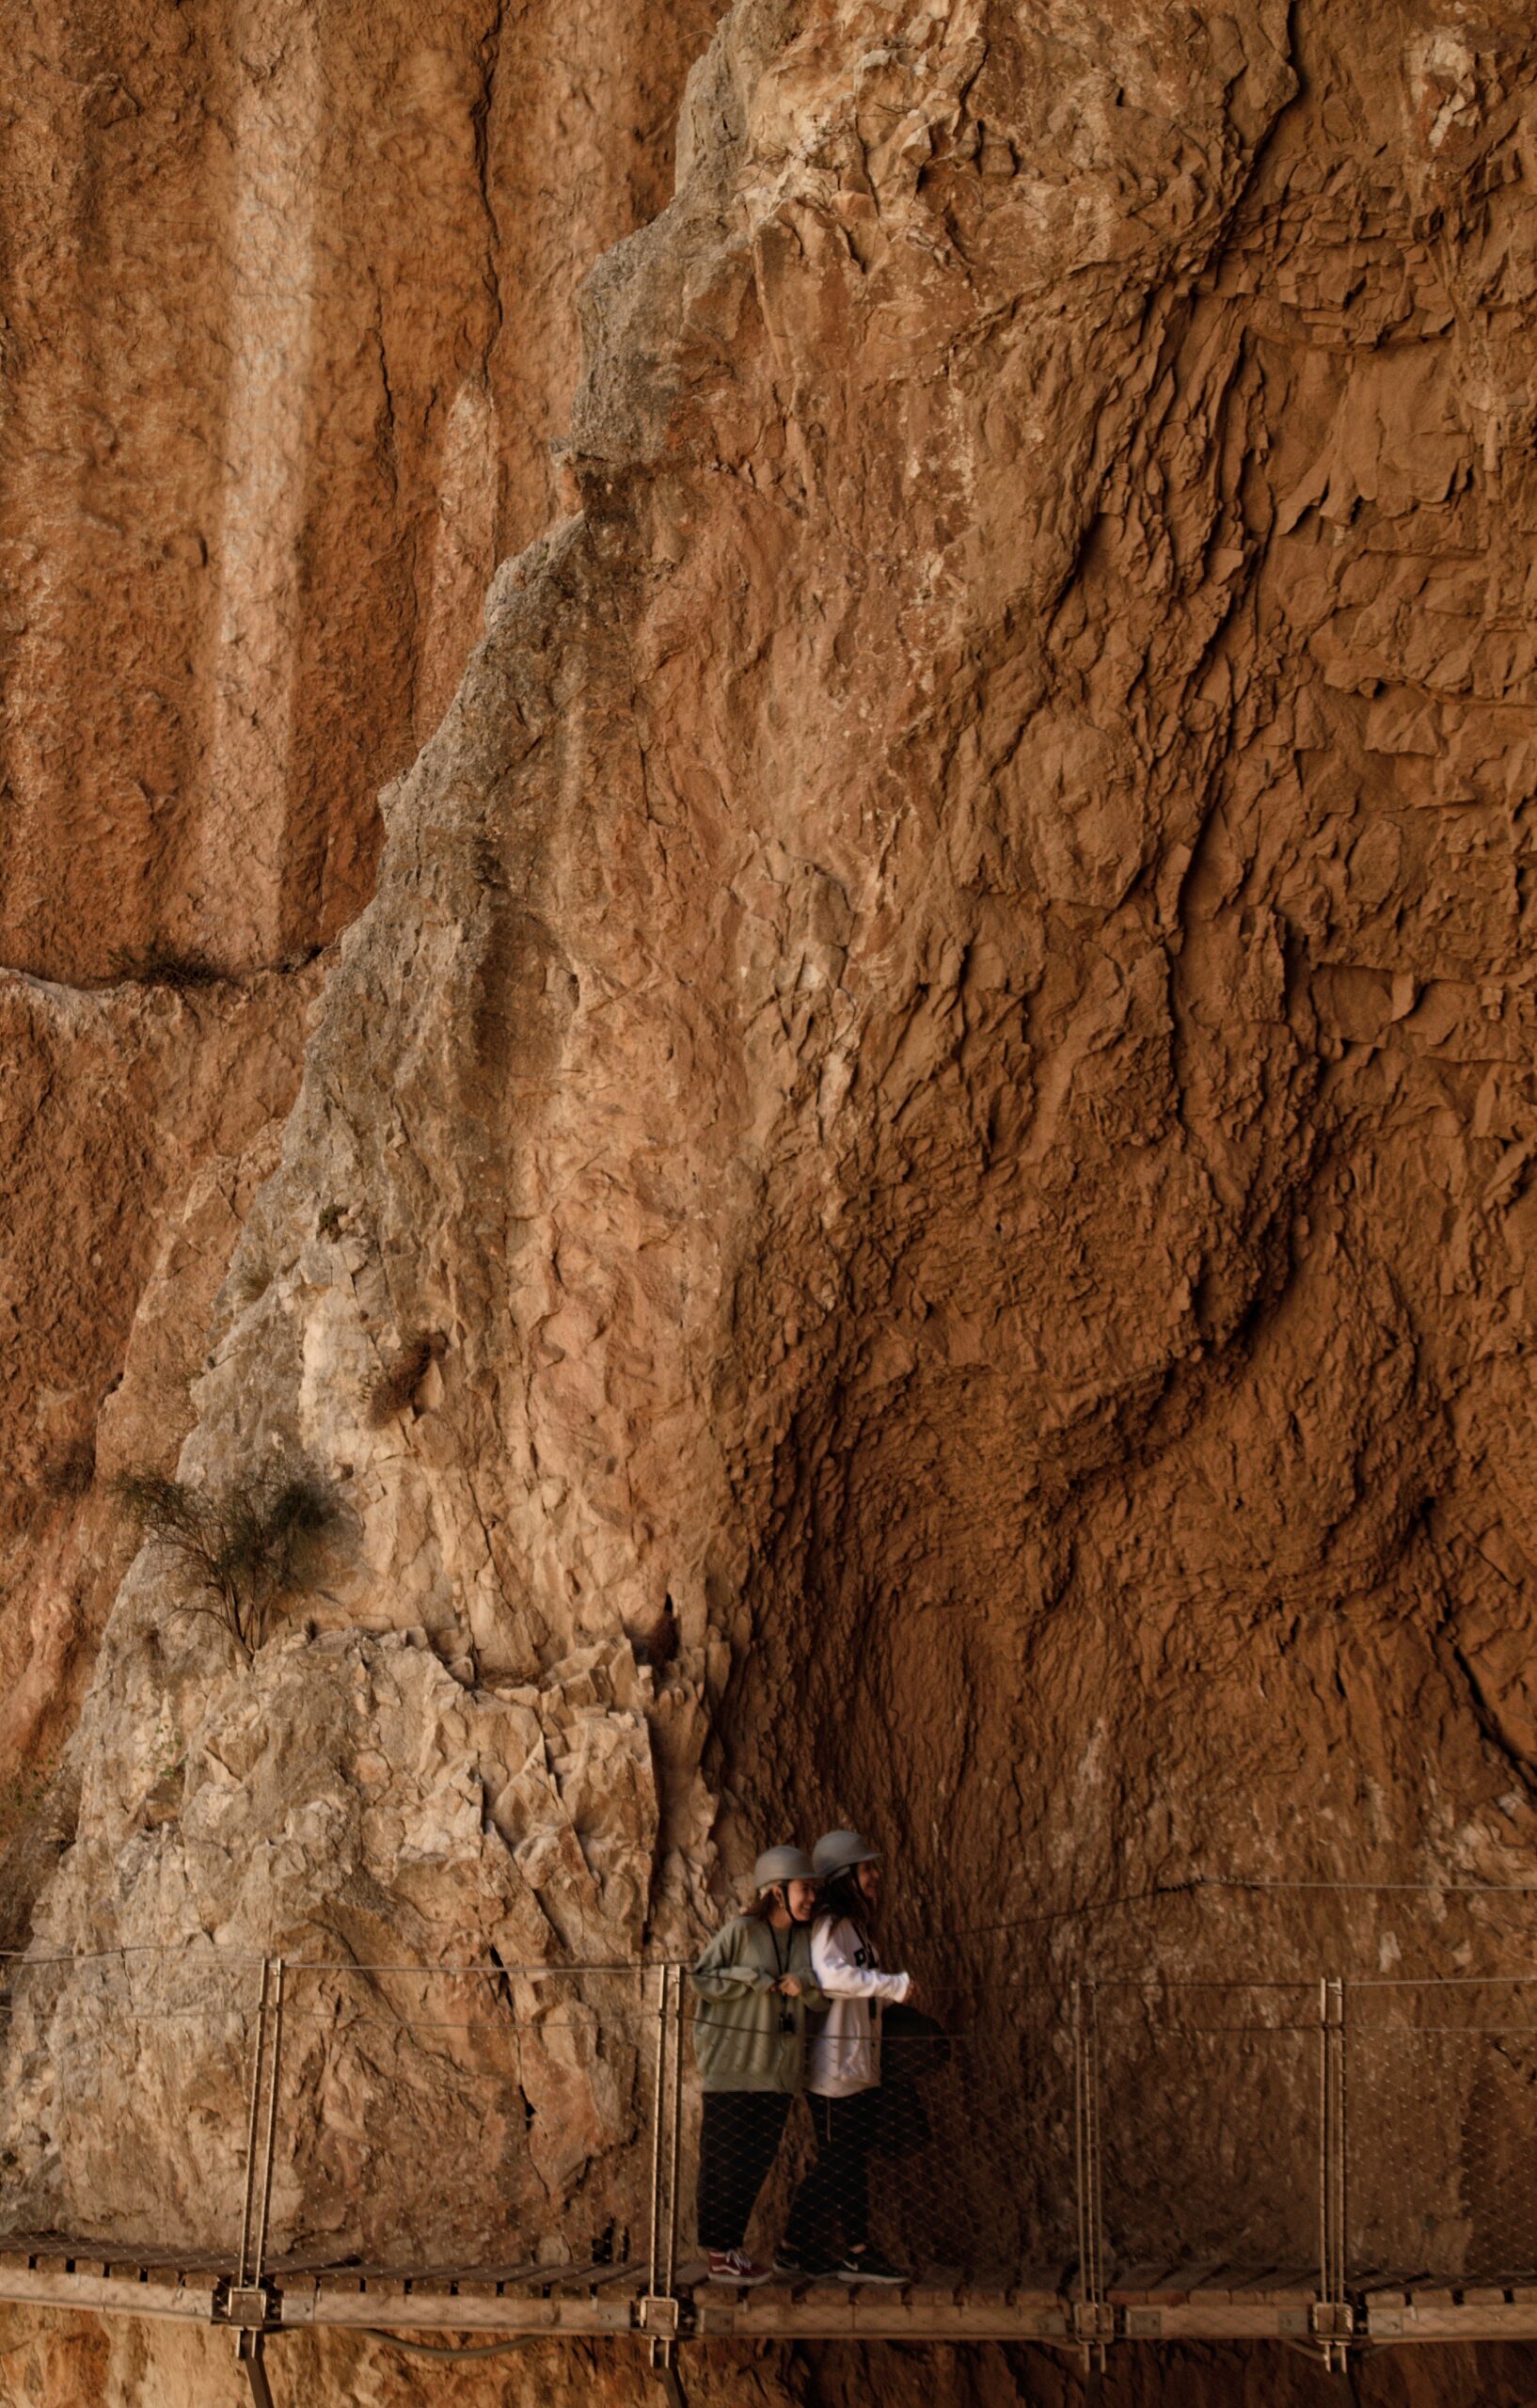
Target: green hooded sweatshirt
{"type": "Point", "coordinates": [738, 2040]}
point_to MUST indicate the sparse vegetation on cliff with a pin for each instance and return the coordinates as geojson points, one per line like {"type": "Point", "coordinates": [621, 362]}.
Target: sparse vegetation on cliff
{"type": "Point", "coordinates": [396, 1386]}
{"type": "Point", "coordinates": [68, 1475]}
{"type": "Point", "coordinates": [251, 1282]}
{"type": "Point", "coordinates": [161, 965]}
{"type": "Point", "coordinates": [21, 1798]}
{"type": "Point", "coordinates": [236, 1549]}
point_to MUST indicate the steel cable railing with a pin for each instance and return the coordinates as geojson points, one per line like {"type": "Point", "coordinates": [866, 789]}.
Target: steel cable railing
{"type": "Point", "coordinates": [545, 2124]}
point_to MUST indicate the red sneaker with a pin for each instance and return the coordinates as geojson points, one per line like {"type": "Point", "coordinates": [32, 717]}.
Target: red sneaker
{"type": "Point", "coordinates": [734, 2266]}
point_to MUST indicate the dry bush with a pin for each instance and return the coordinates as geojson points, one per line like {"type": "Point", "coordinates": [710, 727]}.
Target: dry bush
{"type": "Point", "coordinates": [237, 1549]}
{"type": "Point", "coordinates": [161, 965]}
{"type": "Point", "coordinates": [251, 1281]}
{"type": "Point", "coordinates": [22, 1800]}
{"type": "Point", "coordinates": [70, 1474]}
{"type": "Point", "coordinates": [395, 1387]}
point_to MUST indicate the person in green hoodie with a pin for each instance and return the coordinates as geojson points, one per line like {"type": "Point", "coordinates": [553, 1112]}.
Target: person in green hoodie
{"type": "Point", "coordinates": [755, 1985]}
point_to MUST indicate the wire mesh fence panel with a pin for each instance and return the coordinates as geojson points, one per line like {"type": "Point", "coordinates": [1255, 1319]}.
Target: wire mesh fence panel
{"type": "Point", "coordinates": [498, 2122]}
{"type": "Point", "coordinates": [123, 2081]}
{"type": "Point", "coordinates": [1211, 2116]}
{"type": "Point", "coordinates": [1441, 2088]}
{"type": "Point", "coordinates": [957, 2160]}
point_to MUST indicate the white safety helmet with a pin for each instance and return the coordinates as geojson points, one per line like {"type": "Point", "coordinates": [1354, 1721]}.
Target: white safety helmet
{"type": "Point", "coordinates": [777, 1865]}
{"type": "Point", "coordinates": [839, 1852]}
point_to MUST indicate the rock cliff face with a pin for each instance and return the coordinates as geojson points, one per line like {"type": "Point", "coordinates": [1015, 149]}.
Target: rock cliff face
{"type": "Point", "coordinates": [285, 327]}
{"type": "Point", "coordinates": [937, 1086]}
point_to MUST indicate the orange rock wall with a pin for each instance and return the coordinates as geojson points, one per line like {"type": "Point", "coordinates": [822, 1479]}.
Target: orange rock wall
{"type": "Point", "coordinates": [944, 1038]}
{"type": "Point", "coordinates": [288, 296]}
{"type": "Point", "coordinates": [286, 332]}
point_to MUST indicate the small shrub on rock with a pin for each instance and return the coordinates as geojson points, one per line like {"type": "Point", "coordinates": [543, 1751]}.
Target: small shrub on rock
{"type": "Point", "coordinates": [69, 1475]}
{"type": "Point", "coordinates": [251, 1282]}
{"type": "Point", "coordinates": [160, 965]}
{"type": "Point", "coordinates": [395, 1387]}
{"type": "Point", "coordinates": [235, 1549]}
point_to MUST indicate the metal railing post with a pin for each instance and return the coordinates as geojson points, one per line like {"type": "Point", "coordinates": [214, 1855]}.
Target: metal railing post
{"type": "Point", "coordinates": [275, 2061]}
{"type": "Point", "coordinates": [659, 2310]}
{"type": "Point", "coordinates": [1344, 2141]}
{"type": "Point", "coordinates": [1323, 2232]}
{"type": "Point", "coordinates": [678, 2130]}
{"type": "Point", "coordinates": [1088, 2185]}
{"type": "Point", "coordinates": [658, 2118]}
{"type": "Point", "coordinates": [247, 2303]}
{"type": "Point", "coordinates": [258, 2053]}
{"type": "Point", "coordinates": [1333, 2312]}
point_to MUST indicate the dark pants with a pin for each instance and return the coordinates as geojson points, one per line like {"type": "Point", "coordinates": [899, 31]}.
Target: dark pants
{"type": "Point", "coordinates": [835, 2195]}
{"type": "Point", "coordinates": [741, 2137]}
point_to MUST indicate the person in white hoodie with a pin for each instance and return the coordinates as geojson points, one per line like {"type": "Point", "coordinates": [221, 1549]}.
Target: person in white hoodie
{"type": "Point", "coordinates": [828, 2231]}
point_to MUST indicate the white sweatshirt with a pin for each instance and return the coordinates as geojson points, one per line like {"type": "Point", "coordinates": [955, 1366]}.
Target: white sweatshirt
{"type": "Point", "coordinates": [844, 2054]}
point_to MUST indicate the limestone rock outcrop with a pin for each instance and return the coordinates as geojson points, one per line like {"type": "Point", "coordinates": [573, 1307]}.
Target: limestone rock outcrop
{"type": "Point", "coordinates": [286, 331]}
{"type": "Point", "coordinates": [938, 1080]}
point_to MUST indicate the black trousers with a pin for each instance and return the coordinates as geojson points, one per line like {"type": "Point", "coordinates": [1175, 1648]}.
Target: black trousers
{"type": "Point", "coordinates": [836, 2196]}
{"type": "Point", "coordinates": [737, 2144]}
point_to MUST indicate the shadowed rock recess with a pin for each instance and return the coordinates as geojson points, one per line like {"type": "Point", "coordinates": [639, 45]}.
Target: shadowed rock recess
{"type": "Point", "coordinates": [939, 1083]}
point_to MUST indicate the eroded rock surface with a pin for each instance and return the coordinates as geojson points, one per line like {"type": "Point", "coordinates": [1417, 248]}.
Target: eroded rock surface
{"type": "Point", "coordinates": [285, 333]}
{"type": "Point", "coordinates": [942, 1056]}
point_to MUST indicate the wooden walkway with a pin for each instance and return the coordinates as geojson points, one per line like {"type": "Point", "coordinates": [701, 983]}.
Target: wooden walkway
{"type": "Point", "coordinates": [1141, 2304]}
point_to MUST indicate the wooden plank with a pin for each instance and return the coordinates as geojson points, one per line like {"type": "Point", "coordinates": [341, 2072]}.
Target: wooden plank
{"type": "Point", "coordinates": [959, 2320]}
{"type": "Point", "coordinates": [874, 2315]}
{"type": "Point", "coordinates": [47, 2287]}
{"type": "Point", "coordinates": [1247, 2281]}
{"type": "Point", "coordinates": [988, 2281]}
{"type": "Point", "coordinates": [441, 2312]}
{"type": "Point", "coordinates": [1176, 2287]}
{"type": "Point", "coordinates": [933, 2282]}
{"type": "Point", "coordinates": [1513, 2321]}
{"type": "Point", "coordinates": [822, 2311]}
{"type": "Point", "coordinates": [1218, 2284]}
{"type": "Point", "coordinates": [1291, 2284]}
{"type": "Point", "coordinates": [1138, 2282]}
{"type": "Point", "coordinates": [1277, 2283]}
{"type": "Point", "coordinates": [1212, 2319]}
{"type": "Point", "coordinates": [1040, 2286]}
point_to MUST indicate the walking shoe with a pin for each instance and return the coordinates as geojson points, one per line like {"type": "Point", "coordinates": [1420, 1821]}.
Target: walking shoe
{"type": "Point", "coordinates": [805, 2270]}
{"type": "Point", "coordinates": [868, 2266]}
{"type": "Point", "coordinates": [735, 2267]}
